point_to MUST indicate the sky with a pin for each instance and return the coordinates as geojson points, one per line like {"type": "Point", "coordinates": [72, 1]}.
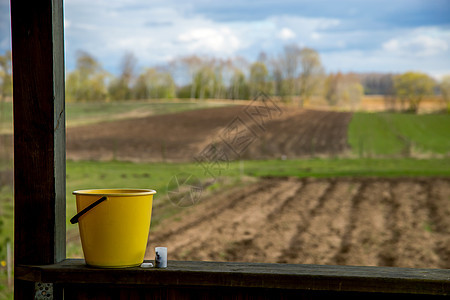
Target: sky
{"type": "Point", "coordinates": [386, 36]}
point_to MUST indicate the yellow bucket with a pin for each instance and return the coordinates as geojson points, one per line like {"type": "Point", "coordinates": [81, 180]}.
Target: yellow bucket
{"type": "Point", "coordinates": [114, 225]}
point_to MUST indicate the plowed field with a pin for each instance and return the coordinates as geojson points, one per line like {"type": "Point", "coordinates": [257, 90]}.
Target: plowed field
{"type": "Point", "coordinates": [370, 221]}
{"type": "Point", "coordinates": [181, 136]}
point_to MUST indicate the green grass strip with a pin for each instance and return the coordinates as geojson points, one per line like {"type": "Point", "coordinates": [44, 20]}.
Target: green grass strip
{"type": "Point", "coordinates": [380, 167]}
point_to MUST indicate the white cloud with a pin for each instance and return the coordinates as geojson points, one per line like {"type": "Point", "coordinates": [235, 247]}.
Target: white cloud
{"type": "Point", "coordinates": [286, 34]}
{"type": "Point", "coordinates": [419, 43]}
{"type": "Point", "coordinates": [216, 40]}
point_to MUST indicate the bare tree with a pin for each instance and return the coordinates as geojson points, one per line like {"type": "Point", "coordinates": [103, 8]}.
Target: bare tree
{"type": "Point", "coordinates": [120, 89]}
{"type": "Point", "coordinates": [289, 63]}
{"type": "Point", "coordinates": [128, 66]}
{"type": "Point", "coordinates": [311, 74]}
{"type": "Point", "coordinates": [188, 66]}
{"type": "Point", "coordinates": [87, 81]}
{"type": "Point", "coordinates": [343, 90]}
{"type": "Point", "coordinates": [154, 84]}
{"type": "Point", "coordinates": [238, 88]}
{"type": "Point", "coordinates": [300, 72]}
{"type": "Point", "coordinates": [277, 77]}
{"type": "Point", "coordinates": [259, 79]}
{"type": "Point", "coordinates": [237, 83]}
{"type": "Point", "coordinates": [331, 88]}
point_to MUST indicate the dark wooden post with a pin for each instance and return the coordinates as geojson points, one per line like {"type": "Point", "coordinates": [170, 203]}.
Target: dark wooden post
{"type": "Point", "coordinates": [39, 135]}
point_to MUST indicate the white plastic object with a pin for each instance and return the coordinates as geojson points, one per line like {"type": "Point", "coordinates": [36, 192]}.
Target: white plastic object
{"type": "Point", "coordinates": [160, 257]}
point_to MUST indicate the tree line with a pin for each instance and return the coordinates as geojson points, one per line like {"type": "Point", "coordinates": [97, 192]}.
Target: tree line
{"type": "Point", "coordinates": [294, 76]}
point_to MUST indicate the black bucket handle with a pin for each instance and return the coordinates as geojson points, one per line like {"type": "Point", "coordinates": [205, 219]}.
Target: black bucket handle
{"type": "Point", "coordinates": [91, 206]}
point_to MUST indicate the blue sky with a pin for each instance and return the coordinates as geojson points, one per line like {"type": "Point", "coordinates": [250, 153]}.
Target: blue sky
{"type": "Point", "coordinates": [359, 36]}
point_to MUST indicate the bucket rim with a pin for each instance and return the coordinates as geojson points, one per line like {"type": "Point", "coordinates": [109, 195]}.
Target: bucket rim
{"type": "Point", "coordinates": [119, 192]}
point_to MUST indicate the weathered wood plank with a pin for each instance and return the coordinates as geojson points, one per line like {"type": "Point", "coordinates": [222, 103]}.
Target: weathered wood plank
{"type": "Point", "coordinates": [251, 275]}
{"type": "Point", "coordinates": [81, 292]}
{"type": "Point", "coordinates": [39, 133]}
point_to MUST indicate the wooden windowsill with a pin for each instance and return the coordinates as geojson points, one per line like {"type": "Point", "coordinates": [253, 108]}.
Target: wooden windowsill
{"type": "Point", "coordinates": [251, 275]}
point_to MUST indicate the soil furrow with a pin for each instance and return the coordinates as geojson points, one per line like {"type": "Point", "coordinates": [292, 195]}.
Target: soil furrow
{"type": "Point", "coordinates": [270, 239]}
{"type": "Point", "coordinates": [252, 238]}
{"type": "Point", "coordinates": [235, 242]}
{"type": "Point", "coordinates": [209, 209]}
{"type": "Point", "coordinates": [415, 245]}
{"type": "Point", "coordinates": [208, 238]}
{"type": "Point", "coordinates": [203, 213]}
{"type": "Point", "coordinates": [322, 238]}
{"type": "Point", "coordinates": [313, 196]}
{"type": "Point", "coordinates": [342, 254]}
{"type": "Point", "coordinates": [369, 232]}
{"type": "Point", "coordinates": [387, 254]}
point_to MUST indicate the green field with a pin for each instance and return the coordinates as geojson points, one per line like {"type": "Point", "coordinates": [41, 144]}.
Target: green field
{"type": "Point", "coordinates": [399, 134]}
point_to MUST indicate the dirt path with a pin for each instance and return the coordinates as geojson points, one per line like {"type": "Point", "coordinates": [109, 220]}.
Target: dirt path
{"type": "Point", "coordinates": [377, 222]}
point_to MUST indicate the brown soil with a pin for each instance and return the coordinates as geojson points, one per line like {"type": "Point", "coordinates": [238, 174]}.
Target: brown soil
{"type": "Point", "coordinates": [367, 221]}
{"type": "Point", "coordinates": [291, 132]}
